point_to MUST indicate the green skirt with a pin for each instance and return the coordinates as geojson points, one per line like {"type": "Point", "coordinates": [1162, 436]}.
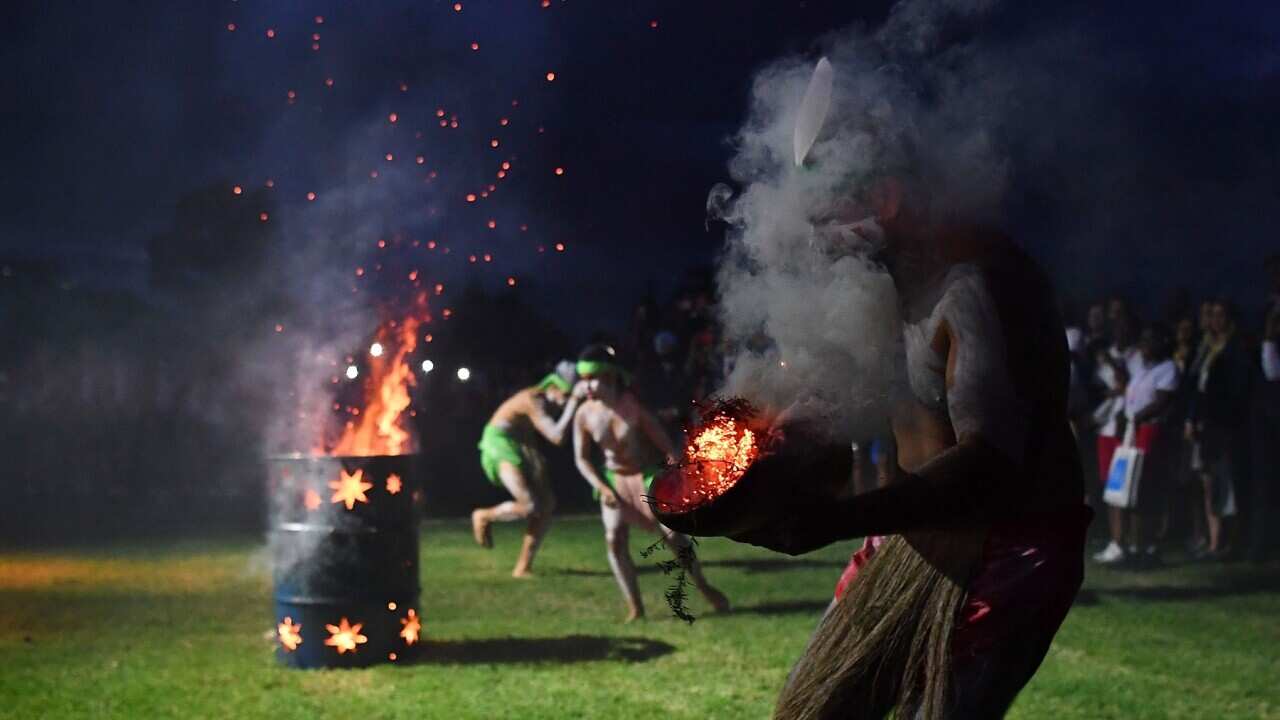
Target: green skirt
{"type": "Point", "coordinates": [497, 447]}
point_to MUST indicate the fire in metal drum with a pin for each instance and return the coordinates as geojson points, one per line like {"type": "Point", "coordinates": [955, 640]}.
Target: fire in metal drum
{"type": "Point", "coordinates": [332, 563]}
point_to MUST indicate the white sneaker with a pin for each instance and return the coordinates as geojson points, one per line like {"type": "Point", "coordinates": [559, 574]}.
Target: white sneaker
{"type": "Point", "coordinates": [1112, 554]}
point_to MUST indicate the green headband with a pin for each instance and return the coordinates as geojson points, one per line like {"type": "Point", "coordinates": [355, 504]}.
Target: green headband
{"type": "Point", "coordinates": [601, 367]}
{"type": "Point", "coordinates": [554, 380]}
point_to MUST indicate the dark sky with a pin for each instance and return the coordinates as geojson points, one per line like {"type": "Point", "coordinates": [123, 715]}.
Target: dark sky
{"type": "Point", "coordinates": [116, 111]}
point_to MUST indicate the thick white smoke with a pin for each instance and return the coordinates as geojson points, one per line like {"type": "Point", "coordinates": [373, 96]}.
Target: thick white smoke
{"type": "Point", "coordinates": [810, 317]}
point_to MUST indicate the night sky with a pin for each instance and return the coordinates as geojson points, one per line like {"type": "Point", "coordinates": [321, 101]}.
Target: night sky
{"type": "Point", "coordinates": [115, 112]}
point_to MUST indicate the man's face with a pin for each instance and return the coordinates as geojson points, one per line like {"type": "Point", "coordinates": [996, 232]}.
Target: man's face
{"type": "Point", "coordinates": [601, 387]}
{"type": "Point", "coordinates": [1097, 319]}
{"type": "Point", "coordinates": [1219, 319]}
{"type": "Point", "coordinates": [1206, 317]}
{"type": "Point", "coordinates": [554, 394]}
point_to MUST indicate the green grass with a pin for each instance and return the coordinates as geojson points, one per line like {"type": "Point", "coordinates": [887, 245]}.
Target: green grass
{"type": "Point", "coordinates": [180, 632]}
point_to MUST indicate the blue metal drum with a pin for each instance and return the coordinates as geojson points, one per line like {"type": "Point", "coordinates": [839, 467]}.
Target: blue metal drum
{"type": "Point", "coordinates": [344, 546]}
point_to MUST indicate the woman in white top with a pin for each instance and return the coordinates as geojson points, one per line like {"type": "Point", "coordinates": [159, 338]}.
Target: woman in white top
{"type": "Point", "coordinates": [1148, 395]}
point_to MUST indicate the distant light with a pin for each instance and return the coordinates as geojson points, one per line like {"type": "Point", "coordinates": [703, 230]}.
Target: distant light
{"type": "Point", "coordinates": [559, 171]}
{"type": "Point", "coordinates": [551, 76]}
{"type": "Point", "coordinates": [375, 349]}
{"type": "Point", "coordinates": [428, 366]}
{"type": "Point", "coordinates": [464, 374]}
{"type": "Point", "coordinates": [352, 372]}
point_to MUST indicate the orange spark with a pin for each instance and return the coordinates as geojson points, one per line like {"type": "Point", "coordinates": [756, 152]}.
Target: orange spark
{"type": "Point", "coordinates": [471, 197]}
{"type": "Point", "coordinates": [231, 27]}
{"type": "Point", "coordinates": [420, 159]}
{"type": "Point", "coordinates": [493, 143]}
{"type": "Point", "coordinates": [263, 216]}
{"type": "Point", "coordinates": [237, 190]}
{"type": "Point", "coordinates": [289, 634]}
{"type": "Point", "coordinates": [457, 7]}
{"type": "Point", "coordinates": [492, 224]}
{"type": "Point", "coordinates": [345, 637]}
{"type": "Point", "coordinates": [350, 489]}
{"type": "Point", "coordinates": [511, 282]}
{"type": "Point", "coordinates": [270, 183]}
{"type": "Point", "coordinates": [551, 76]}
{"type": "Point", "coordinates": [559, 247]}
{"type": "Point", "coordinates": [389, 157]}
{"type": "Point", "coordinates": [475, 46]}
{"type": "Point", "coordinates": [271, 32]}
{"type": "Point", "coordinates": [319, 19]}
{"type": "Point", "coordinates": [311, 196]}
{"type": "Point", "coordinates": [393, 117]}
{"type": "Point", "coordinates": [559, 171]}
{"type": "Point", "coordinates": [504, 122]}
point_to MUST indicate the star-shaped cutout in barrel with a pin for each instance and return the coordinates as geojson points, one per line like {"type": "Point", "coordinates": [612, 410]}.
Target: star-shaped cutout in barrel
{"type": "Point", "coordinates": [394, 484]}
{"type": "Point", "coordinates": [350, 489]}
{"type": "Point", "coordinates": [411, 627]}
{"type": "Point", "coordinates": [289, 634]}
{"type": "Point", "coordinates": [345, 637]}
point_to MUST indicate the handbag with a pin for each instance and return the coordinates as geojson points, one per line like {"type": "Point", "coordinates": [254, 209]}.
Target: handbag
{"type": "Point", "coordinates": [1125, 474]}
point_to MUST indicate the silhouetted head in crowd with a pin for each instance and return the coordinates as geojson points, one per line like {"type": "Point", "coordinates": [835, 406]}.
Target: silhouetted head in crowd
{"type": "Point", "coordinates": [1156, 343]}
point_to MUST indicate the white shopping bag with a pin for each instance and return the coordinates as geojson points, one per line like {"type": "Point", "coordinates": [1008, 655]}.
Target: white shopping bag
{"type": "Point", "coordinates": [1125, 473]}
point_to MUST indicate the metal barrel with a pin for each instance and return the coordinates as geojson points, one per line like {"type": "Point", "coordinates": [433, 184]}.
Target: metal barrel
{"type": "Point", "coordinates": [344, 546]}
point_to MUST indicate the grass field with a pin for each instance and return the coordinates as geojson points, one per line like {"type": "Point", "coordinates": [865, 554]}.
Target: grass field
{"type": "Point", "coordinates": [180, 631]}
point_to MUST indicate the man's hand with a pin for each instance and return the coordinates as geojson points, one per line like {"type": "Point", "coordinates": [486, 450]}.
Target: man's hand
{"type": "Point", "coordinates": [608, 497]}
{"type": "Point", "coordinates": [579, 391]}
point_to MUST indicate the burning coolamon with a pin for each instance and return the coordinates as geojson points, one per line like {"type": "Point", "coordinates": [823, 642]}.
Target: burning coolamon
{"type": "Point", "coordinates": [344, 535]}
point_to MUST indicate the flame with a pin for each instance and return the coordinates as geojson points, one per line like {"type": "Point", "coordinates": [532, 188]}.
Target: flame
{"type": "Point", "coordinates": [289, 634]}
{"type": "Point", "coordinates": [411, 627]}
{"type": "Point", "coordinates": [717, 456]}
{"type": "Point", "coordinates": [380, 429]}
{"type": "Point", "coordinates": [345, 637]}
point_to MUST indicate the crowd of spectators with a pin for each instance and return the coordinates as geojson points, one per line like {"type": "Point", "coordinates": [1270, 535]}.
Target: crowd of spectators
{"type": "Point", "coordinates": [1198, 391]}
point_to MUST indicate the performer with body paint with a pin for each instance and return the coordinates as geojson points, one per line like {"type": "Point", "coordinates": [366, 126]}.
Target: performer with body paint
{"type": "Point", "coordinates": [634, 446]}
{"type": "Point", "coordinates": [974, 553]}
{"type": "Point", "coordinates": [974, 550]}
{"type": "Point", "coordinates": [511, 459]}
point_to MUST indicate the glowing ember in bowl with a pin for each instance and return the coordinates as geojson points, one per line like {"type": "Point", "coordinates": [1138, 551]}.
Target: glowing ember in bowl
{"type": "Point", "coordinates": [719, 453]}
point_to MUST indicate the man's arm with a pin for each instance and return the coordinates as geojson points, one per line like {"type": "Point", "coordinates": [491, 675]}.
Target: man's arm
{"type": "Point", "coordinates": [554, 430]}
{"type": "Point", "coordinates": [582, 458]}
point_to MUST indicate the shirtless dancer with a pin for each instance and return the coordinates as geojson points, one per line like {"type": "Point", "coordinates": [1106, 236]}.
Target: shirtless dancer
{"type": "Point", "coordinates": [510, 458]}
{"type": "Point", "coordinates": [628, 435]}
{"type": "Point", "coordinates": [974, 552]}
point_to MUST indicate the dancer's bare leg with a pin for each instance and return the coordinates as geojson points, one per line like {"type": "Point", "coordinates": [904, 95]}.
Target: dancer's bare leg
{"type": "Point", "coordinates": [678, 543]}
{"type": "Point", "coordinates": [543, 504]}
{"type": "Point", "coordinates": [617, 540]}
{"type": "Point", "coordinates": [518, 508]}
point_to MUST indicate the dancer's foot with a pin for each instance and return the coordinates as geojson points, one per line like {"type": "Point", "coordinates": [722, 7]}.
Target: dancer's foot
{"type": "Point", "coordinates": [719, 601]}
{"type": "Point", "coordinates": [633, 615]}
{"type": "Point", "coordinates": [522, 573]}
{"type": "Point", "coordinates": [480, 529]}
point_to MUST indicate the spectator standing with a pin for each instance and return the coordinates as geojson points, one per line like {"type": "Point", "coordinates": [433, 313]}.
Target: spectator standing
{"type": "Point", "coordinates": [1147, 400]}
{"type": "Point", "coordinates": [1266, 438]}
{"type": "Point", "coordinates": [1116, 365]}
{"type": "Point", "coordinates": [1218, 422]}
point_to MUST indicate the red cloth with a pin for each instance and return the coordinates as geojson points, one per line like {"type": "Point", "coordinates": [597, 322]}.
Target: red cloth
{"type": "Point", "coordinates": [1106, 450]}
{"type": "Point", "coordinates": [1030, 572]}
